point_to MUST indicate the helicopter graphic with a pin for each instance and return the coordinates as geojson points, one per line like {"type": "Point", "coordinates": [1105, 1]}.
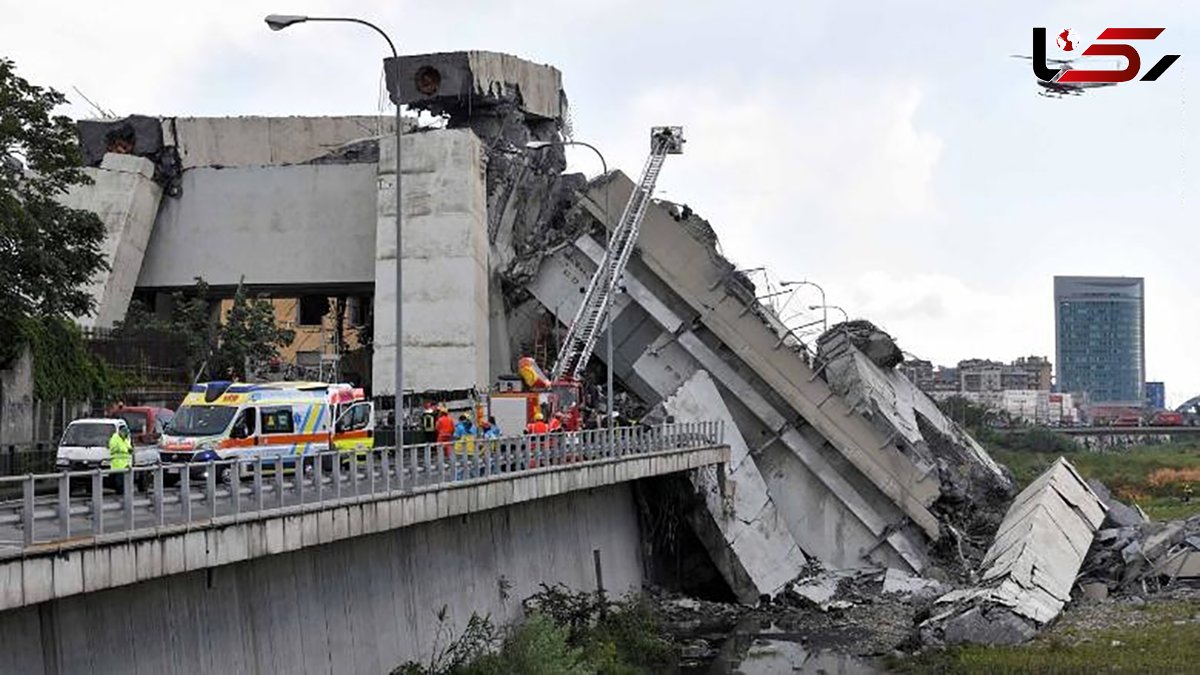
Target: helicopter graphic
{"type": "Point", "coordinates": [1056, 89]}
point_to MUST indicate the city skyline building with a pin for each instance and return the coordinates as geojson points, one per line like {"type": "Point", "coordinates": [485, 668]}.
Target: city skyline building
{"type": "Point", "coordinates": [1156, 395]}
{"type": "Point", "coordinates": [1099, 341]}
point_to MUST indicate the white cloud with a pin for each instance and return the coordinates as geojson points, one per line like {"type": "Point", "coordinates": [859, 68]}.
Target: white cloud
{"type": "Point", "coordinates": [770, 163]}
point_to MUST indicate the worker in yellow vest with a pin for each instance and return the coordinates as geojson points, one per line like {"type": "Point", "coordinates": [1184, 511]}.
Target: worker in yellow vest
{"type": "Point", "coordinates": [120, 456]}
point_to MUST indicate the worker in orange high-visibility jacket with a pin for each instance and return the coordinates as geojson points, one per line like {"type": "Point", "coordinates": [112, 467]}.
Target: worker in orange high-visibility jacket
{"type": "Point", "coordinates": [444, 427]}
{"type": "Point", "coordinates": [537, 427]}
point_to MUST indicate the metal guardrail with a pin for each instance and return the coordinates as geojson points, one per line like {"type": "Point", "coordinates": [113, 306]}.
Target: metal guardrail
{"type": "Point", "coordinates": [150, 497]}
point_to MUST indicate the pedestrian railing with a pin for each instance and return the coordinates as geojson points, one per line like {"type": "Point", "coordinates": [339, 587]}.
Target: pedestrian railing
{"type": "Point", "coordinates": [55, 507]}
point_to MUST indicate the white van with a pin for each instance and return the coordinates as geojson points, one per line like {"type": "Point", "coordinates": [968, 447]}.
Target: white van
{"type": "Point", "coordinates": [84, 446]}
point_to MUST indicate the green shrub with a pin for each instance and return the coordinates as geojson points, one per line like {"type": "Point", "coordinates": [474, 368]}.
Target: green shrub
{"type": "Point", "coordinates": [537, 646]}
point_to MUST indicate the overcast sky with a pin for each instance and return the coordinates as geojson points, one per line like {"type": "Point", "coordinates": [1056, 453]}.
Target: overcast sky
{"type": "Point", "coordinates": [891, 151]}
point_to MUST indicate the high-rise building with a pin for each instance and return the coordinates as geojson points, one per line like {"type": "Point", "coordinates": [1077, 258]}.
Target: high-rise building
{"type": "Point", "coordinates": [1156, 395]}
{"type": "Point", "coordinates": [1100, 338]}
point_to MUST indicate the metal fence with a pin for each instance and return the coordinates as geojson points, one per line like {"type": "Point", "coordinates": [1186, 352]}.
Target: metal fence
{"type": "Point", "coordinates": [54, 507]}
{"type": "Point", "coordinates": [23, 458]}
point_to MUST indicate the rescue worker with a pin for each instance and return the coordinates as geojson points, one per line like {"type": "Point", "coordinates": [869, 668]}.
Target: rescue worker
{"type": "Point", "coordinates": [429, 424]}
{"type": "Point", "coordinates": [491, 443]}
{"type": "Point", "coordinates": [120, 456]}
{"type": "Point", "coordinates": [464, 428]}
{"type": "Point", "coordinates": [556, 423]}
{"type": "Point", "coordinates": [491, 429]}
{"type": "Point", "coordinates": [537, 426]}
{"type": "Point", "coordinates": [464, 444]}
{"type": "Point", "coordinates": [444, 427]}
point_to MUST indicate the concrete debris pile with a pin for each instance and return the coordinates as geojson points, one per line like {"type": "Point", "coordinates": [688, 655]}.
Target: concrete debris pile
{"type": "Point", "coordinates": [863, 612]}
{"type": "Point", "coordinates": [1030, 568]}
{"type": "Point", "coordinates": [1141, 558]}
{"type": "Point", "coordinates": [858, 361]}
{"type": "Point", "coordinates": [867, 338]}
{"type": "Point", "coordinates": [838, 589]}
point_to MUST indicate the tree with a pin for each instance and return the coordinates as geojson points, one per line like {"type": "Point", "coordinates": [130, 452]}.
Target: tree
{"type": "Point", "coordinates": [48, 252]}
{"type": "Point", "coordinates": [250, 334]}
{"type": "Point", "coordinates": [215, 349]}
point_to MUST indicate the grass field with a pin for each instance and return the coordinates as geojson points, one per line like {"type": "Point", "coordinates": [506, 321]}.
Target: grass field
{"type": "Point", "coordinates": [1152, 476]}
{"type": "Point", "coordinates": [1110, 637]}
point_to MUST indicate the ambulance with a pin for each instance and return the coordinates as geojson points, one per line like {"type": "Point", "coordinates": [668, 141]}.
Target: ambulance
{"type": "Point", "coordinates": [282, 422]}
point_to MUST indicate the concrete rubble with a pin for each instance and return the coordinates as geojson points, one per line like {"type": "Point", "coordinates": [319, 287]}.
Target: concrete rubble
{"type": "Point", "coordinates": [1142, 558]}
{"type": "Point", "coordinates": [896, 582]}
{"type": "Point", "coordinates": [1030, 568]}
{"type": "Point", "coordinates": [858, 360]}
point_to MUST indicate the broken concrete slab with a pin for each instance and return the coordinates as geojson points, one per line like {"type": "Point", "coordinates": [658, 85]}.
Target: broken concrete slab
{"type": "Point", "coordinates": [1119, 514]}
{"type": "Point", "coordinates": [1031, 566]}
{"type": "Point", "coordinates": [973, 490]}
{"type": "Point", "coordinates": [1158, 542]}
{"type": "Point", "coordinates": [1094, 591]}
{"type": "Point", "coordinates": [124, 195]}
{"type": "Point", "coordinates": [825, 589]}
{"type": "Point", "coordinates": [897, 582]}
{"type": "Point", "coordinates": [988, 626]}
{"type": "Point", "coordinates": [867, 338]}
{"type": "Point", "coordinates": [892, 402]}
{"type": "Point", "coordinates": [449, 82]}
{"type": "Point", "coordinates": [764, 554]}
{"type": "Point", "coordinates": [1181, 563]}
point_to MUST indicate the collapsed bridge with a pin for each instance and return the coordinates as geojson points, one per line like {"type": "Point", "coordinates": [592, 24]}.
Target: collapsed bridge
{"type": "Point", "coordinates": [835, 457]}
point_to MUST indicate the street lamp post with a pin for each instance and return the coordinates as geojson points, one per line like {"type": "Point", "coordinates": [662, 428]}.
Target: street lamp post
{"type": "Point", "coordinates": [279, 22]}
{"type": "Point", "coordinates": [824, 307]}
{"type": "Point", "coordinates": [538, 145]}
{"type": "Point", "coordinates": [844, 314]}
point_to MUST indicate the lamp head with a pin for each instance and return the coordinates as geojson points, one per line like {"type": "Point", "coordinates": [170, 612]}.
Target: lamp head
{"type": "Point", "coordinates": [281, 21]}
{"type": "Point", "coordinates": [537, 145]}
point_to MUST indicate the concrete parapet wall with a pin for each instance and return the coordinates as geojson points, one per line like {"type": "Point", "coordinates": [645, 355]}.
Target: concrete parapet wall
{"type": "Point", "coordinates": [266, 141]}
{"type": "Point", "coordinates": [276, 225]}
{"type": "Point", "coordinates": [360, 604]}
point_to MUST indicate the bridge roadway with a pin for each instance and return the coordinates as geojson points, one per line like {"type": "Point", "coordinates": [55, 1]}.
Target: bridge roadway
{"type": "Point", "coordinates": [352, 567]}
{"type": "Point", "coordinates": [206, 494]}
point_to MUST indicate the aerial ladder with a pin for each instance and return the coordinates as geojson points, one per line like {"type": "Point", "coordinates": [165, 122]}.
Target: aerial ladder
{"type": "Point", "coordinates": [581, 337]}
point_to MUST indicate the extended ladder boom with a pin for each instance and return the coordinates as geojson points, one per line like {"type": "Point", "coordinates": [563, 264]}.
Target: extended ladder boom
{"type": "Point", "coordinates": [589, 320]}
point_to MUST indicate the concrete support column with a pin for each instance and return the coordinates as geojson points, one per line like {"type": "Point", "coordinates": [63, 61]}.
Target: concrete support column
{"type": "Point", "coordinates": [123, 193]}
{"type": "Point", "coordinates": [445, 263]}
